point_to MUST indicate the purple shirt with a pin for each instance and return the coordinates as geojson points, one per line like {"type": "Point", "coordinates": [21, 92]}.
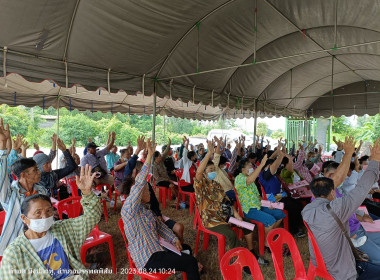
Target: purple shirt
{"type": "Point", "coordinates": [353, 222]}
{"type": "Point", "coordinates": [95, 160]}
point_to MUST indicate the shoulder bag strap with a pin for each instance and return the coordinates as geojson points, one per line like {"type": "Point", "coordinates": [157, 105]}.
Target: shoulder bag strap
{"type": "Point", "coordinates": [345, 233]}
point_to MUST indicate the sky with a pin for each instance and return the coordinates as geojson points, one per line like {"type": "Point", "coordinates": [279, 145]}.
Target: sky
{"type": "Point", "coordinates": [273, 123]}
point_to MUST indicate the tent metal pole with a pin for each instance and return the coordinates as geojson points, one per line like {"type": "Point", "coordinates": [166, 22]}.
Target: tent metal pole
{"type": "Point", "coordinates": [255, 124]}
{"type": "Point", "coordinates": [154, 113]}
{"type": "Point", "coordinates": [58, 101]}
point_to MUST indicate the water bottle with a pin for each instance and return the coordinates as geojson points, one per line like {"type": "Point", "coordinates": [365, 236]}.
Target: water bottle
{"type": "Point", "coordinates": [112, 203]}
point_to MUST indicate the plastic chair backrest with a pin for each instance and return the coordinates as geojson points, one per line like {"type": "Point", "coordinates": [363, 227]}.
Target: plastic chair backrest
{"type": "Point", "coordinates": [234, 270]}
{"type": "Point", "coordinates": [276, 239]}
{"type": "Point", "coordinates": [71, 205]}
{"type": "Point", "coordinates": [72, 182]}
{"type": "Point", "coordinates": [317, 253]}
{"type": "Point", "coordinates": [263, 194]}
{"type": "Point", "coordinates": [178, 174]}
{"type": "Point", "coordinates": [121, 227]}
{"type": "Point", "coordinates": [2, 220]}
{"type": "Point", "coordinates": [240, 210]}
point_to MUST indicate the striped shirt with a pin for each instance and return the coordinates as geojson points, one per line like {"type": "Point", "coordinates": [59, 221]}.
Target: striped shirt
{"type": "Point", "coordinates": [301, 167]}
{"type": "Point", "coordinates": [71, 234]}
{"type": "Point", "coordinates": [142, 228]}
{"type": "Point", "coordinates": [11, 198]}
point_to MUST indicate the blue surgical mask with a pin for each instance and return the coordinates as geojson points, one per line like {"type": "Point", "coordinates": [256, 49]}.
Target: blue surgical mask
{"type": "Point", "coordinates": [312, 159]}
{"type": "Point", "coordinates": [211, 175]}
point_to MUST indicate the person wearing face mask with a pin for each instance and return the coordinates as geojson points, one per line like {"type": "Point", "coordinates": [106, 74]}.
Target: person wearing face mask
{"type": "Point", "coordinates": [325, 213]}
{"type": "Point", "coordinates": [50, 178]}
{"type": "Point", "coordinates": [221, 174]}
{"type": "Point", "coordinates": [51, 248]}
{"type": "Point", "coordinates": [272, 185]}
{"type": "Point", "coordinates": [13, 194]}
{"type": "Point", "coordinates": [214, 206]}
{"type": "Point", "coordinates": [250, 199]}
{"type": "Point", "coordinates": [143, 229]}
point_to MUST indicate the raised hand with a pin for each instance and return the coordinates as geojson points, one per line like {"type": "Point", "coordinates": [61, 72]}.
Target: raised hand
{"type": "Point", "coordinates": [54, 138]}
{"type": "Point", "coordinates": [140, 143]}
{"type": "Point", "coordinates": [61, 145]}
{"type": "Point", "coordinates": [4, 134]}
{"type": "Point", "coordinates": [73, 141]}
{"type": "Point", "coordinates": [210, 147]}
{"type": "Point", "coordinates": [349, 145]}
{"type": "Point", "coordinates": [151, 147]}
{"type": "Point", "coordinates": [89, 140]}
{"type": "Point", "coordinates": [16, 143]}
{"type": "Point", "coordinates": [84, 182]}
{"type": "Point", "coordinates": [170, 142]}
{"type": "Point", "coordinates": [375, 151]}
{"type": "Point", "coordinates": [113, 135]}
{"type": "Point", "coordinates": [24, 145]}
{"type": "Point", "coordinates": [35, 145]}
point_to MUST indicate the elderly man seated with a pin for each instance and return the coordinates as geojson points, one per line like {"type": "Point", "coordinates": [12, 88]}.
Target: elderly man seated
{"type": "Point", "coordinates": [328, 215]}
{"type": "Point", "coordinates": [143, 229]}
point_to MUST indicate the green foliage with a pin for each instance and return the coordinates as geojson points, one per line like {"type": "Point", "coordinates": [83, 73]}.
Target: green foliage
{"type": "Point", "coordinates": [82, 125]}
{"type": "Point", "coordinates": [278, 134]}
{"type": "Point", "coordinates": [262, 129]}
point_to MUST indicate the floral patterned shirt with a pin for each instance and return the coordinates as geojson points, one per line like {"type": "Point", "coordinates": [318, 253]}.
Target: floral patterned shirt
{"type": "Point", "coordinates": [249, 196]}
{"type": "Point", "coordinates": [210, 196]}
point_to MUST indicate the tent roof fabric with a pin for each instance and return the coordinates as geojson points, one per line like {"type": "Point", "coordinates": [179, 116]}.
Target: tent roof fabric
{"type": "Point", "coordinates": [222, 57]}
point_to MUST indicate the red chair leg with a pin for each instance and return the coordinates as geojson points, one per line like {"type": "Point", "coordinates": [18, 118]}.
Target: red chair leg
{"type": "Point", "coordinates": [261, 239]}
{"type": "Point", "coordinates": [163, 198]}
{"type": "Point", "coordinates": [195, 222]}
{"type": "Point", "coordinates": [83, 253]}
{"type": "Point", "coordinates": [311, 271]}
{"type": "Point", "coordinates": [114, 206]}
{"type": "Point", "coordinates": [110, 245]}
{"type": "Point", "coordinates": [191, 204]}
{"type": "Point", "coordinates": [221, 247]}
{"type": "Point", "coordinates": [159, 195]}
{"type": "Point", "coordinates": [206, 237]}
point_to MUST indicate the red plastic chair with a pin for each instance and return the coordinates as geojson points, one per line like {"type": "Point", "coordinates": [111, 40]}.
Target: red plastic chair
{"type": "Point", "coordinates": [132, 266]}
{"type": "Point", "coordinates": [96, 238]}
{"type": "Point", "coordinates": [163, 192]}
{"type": "Point", "coordinates": [260, 226]}
{"type": "Point", "coordinates": [74, 192]}
{"type": "Point", "coordinates": [234, 270]}
{"type": "Point", "coordinates": [320, 270]}
{"type": "Point", "coordinates": [2, 220]}
{"type": "Point", "coordinates": [70, 206]}
{"type": "Point", "coordinates": [286, 219]}
{"type": "Point", "coordinates": [206, 233]}
{"type": "Point", "coordinates": [276, 239]}
{"type": "Point", "coordinates": [182, 194]}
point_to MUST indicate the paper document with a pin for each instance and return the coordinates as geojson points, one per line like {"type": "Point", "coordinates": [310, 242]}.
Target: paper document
{"type": "Point", "coordinates": [369, 227]}
{"type": "Point", "coordinates": [242, 224]}
{"type": "Point", "coordinates": [271, 204]}
{"type": "Point", "coordinates": [315, 169]}
{"type": "Point", "coordinates": [299, 184]}
{"type": "Point", "coordinates": [169, 246]}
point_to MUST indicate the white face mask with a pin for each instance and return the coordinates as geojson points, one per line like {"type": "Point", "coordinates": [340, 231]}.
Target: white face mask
{"type": "Point", "coordinates": [250, 171]}
{"type": "Point", "coordinates": [41, 225]}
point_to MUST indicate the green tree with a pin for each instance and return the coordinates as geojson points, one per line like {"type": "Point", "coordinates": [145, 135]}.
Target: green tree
{"type": "Point", "coordinates": [278, 134]}
{"type": "Point", "coordinates": [262, 129]}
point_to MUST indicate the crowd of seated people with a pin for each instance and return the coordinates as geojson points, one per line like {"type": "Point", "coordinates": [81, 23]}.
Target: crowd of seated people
{"type": "Point", "coordinates": [220, 176]}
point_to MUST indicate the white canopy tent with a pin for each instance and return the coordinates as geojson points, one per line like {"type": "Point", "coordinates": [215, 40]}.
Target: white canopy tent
{"type": "Point", "coordinates": [202, 59]}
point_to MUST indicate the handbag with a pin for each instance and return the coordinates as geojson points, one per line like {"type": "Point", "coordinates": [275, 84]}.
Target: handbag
{"type": "Point", "coordinates": [358, 254]}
